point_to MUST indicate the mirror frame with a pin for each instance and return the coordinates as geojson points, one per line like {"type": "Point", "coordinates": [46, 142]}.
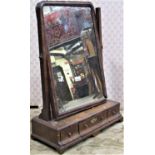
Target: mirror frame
{"type": "Point", "coordinates": [50, 106]}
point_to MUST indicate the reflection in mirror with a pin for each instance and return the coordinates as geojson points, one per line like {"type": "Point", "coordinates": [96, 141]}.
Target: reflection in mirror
{"type": "Point", "coordinates": [73, 53]}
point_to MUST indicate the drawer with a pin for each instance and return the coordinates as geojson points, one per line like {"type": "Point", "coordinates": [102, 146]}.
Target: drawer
{"type": "Point", "coordinates": [103, 115]}
{"type": "Point", "coordinates": [91, 122]}
{"type": "Point", "coordinates": [69, 132]}
{"type": "Point", "coordinates": [114, 110]}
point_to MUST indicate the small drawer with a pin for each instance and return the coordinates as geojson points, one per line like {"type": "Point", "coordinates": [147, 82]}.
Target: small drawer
{"type": "Point", "coordinates": [103, 115]}
{"type": "Point", "coordinates": [113, 111]}
{"type": "Point", "coordinates": [90, 122]}
{"type": "Point", "coordinates": [69, 132]}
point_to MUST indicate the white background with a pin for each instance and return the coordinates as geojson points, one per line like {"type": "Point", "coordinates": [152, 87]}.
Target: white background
{"type": "Point", "coordinates": [139, 77]}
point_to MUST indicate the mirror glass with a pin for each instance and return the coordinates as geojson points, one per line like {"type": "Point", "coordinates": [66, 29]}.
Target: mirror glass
{"type": "Point", "coordinates": [73, 51]}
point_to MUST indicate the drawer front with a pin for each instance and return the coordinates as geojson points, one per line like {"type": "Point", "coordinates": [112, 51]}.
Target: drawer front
{"type": "Point", "coordinates": [114, 110]}
{"type": "Point", "coordinates": [91, 122]}
{"type": "Point", "coordinates": [88, 124]}
{"type": "Point", "coordinates": [69, 132]}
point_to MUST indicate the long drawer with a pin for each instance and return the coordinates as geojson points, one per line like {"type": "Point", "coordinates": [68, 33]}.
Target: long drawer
{"type": "Point", "coordinates": [90, 123]}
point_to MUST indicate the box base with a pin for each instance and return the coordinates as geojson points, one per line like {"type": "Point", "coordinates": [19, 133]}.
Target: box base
{"type": "Point", "coordinates": [69, 131]}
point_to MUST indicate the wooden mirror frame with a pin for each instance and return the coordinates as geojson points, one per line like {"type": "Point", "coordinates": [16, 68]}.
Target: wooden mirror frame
{"type": "Point", "coordinates": [50, 107]}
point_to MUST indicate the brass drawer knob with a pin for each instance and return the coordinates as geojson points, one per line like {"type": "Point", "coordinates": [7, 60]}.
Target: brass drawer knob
{"type": "Point", "coordinates": [86, 125]}
{"type": "Point", "coordinates": [69, 134]}
{"type": "Point", "coordinates": [93, 120]}
{"type": "Point", "coordinates": [114, 112]}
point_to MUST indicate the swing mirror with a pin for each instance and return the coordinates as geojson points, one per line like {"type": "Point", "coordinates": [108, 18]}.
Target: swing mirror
{"type": "Point", "coordinates": [75, 60]}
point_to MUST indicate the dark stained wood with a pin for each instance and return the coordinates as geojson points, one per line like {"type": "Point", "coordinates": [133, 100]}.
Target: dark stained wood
{"type": "Point", "coordinates": [65, 133]}
{"type": "Point", "coordinates": [99, 25]}
{"type": "Point", "coordinates": [46, 113]}
{"type": "Point", "coordinates": [99, 28]}
{"type": "Point", "coordinates": [62, 131]}
{"type": "Point", "coordinates": [49, 94]}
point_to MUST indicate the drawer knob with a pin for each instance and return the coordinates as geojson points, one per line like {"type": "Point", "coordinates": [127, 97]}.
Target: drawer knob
{"type": "Point", "coordinates": [93, 120]}
{"type": "Point", "coordinates": [114, 112]}
{"type": "Point", "coordinates": [69, 134]}
{"type": "Point", "coordinates": [86, 125]}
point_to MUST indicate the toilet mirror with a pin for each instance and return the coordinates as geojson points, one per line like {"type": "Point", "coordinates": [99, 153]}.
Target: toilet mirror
{"type": "Point", "coordinates": [74, 55]}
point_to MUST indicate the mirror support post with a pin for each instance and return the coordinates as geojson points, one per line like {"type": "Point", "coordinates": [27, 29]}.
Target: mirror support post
{"type": "Point", "coordinates": [99, 24]}
{"type": "Point", "coordinates": [46, 112]}
{"type": "Point", "coordinates": [99, 29]}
